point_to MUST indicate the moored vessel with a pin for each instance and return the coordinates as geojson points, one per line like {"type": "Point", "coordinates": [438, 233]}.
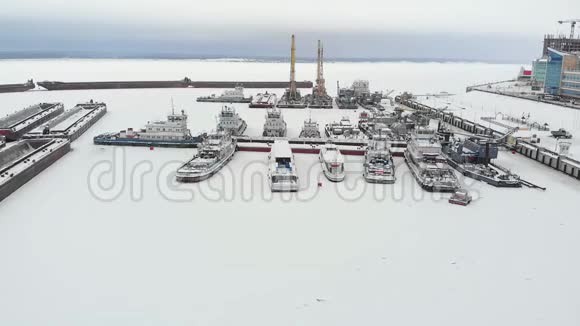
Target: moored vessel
{"type": "Point", "coordinates": [213, 154]}
{"type": "Point", "coordinates": [342, 129]}
{"type": "Point", "coordinates": [13, 88]}
{"type": "Point", "coordinates": [264, 101]}
{"type": "Point", "coordinates": [428, 166]}
{"type": "Point", "coordinates": [229, 120]}
{"type": "Point", "coordinates": [282, 169]}
{"type": "Point", "coordinates": [310, 129]}
{"type": "Point", "coordinates": [170, 133]}
{"type": "Point", "coordinates": [332, 162]}
{"type": "Point", "coordinates": [379, 166]}
{"type": "Point", "coordinates": [228, 96]}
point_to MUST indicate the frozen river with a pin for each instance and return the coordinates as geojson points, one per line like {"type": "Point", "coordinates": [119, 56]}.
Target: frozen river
{"type": "Point", "coordinates": [81, 246]}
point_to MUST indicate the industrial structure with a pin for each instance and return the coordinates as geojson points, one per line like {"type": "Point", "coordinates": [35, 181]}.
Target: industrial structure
{"type": "Point", "coordinates": [292, 97]}
{"type": "Point", "coordinates": [319, 97]}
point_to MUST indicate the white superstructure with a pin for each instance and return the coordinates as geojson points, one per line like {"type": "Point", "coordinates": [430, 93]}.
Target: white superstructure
{"type": "Point", "coordinates": [229, 120]}
{"type": "Point", "coordinates": [275, 126]}
{"type": "Point", "coordinates": [282, 170]}
{"type": "Point", "coordinates": [213, 154]}
{"type": "Point", "coordinates": [332, 162]}
{"type": "Point", "coordinates": [174, 128]}
{"type": "Point", "coordinates": [379, 166]}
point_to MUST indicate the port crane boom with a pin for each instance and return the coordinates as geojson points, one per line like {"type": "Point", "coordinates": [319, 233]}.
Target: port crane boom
{"type": "Point", "coordinates": [572, 23]}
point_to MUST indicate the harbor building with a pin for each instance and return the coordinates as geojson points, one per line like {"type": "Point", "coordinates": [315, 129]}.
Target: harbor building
{"type": "Point", "coordinates": [562, 73]}
{"type": "Point", "coordinates": [539, 71]}
{"type": "Point", "coordinates": [570, 85]}
{"type": "Point", "coordinates": [553, 72]}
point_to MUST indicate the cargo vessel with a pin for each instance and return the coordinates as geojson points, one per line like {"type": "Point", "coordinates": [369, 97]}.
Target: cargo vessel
{"type": "Point", "coordinates": [472, 158]}
{"type": "Point", "coordinates": [345, 98]}
{"type": "Point", "coordinates": [24, 159]}
{"type": "Point", "coordinates": [13, 88]}
{"type": "Point", "coordinates": [427, 164]}
{"type": "Point", "coordinates": [72, 123]}
{"type": "Point", "coordinates": [170, 133]}
{"type": "Point", "coordinates": [17, 124]}
{"type": "Point", "coordinates": [215, 151]}
{"type": "Point", "coordinates": [228, 96]}
{"type": "Point", "coordinates": [264, 101]}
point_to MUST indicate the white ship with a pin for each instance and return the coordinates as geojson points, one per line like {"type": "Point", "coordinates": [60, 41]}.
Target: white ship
{"type": "Point", "coordinates": [344, 128]}
{"type": "Point", "coordinates": [275, 126]}
{"type": "Point", "coordinates": [229, 96]}
{"type": "Point", "coordinates": [427, 164]}
{"type": "Point", "coordinates": [282, 170]}
{"type": "Point", "coordinates": [230, 121]}
{"type": "Point", "coordinates": [310, 129]}
{"type": "Point", "coordinates": [332, 162]}
{"type": "Point", "coordinates": [213, 154]}
{"type": "Point", "coordinates": [379, 166]}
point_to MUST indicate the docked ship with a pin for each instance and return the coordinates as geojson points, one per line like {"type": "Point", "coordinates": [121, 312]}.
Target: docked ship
{"type": "Point", "coordinates": [310, 129]}
{"type": "Point", "coordinates": [264, 101]}
{"type": "Point", "coordinates": [282, 169]}
{"type": "Point", "coordinates": [216, 150]}
{"type": "Point", "coordinates": [58, 85]}
{"type": "Point", "coordinates": [170, 133]}
{"type": "Point", "coordinates": [275, 126]}
{"type": "Point", "coordinates": [343, 128]}
{"type": "Point", "coordinates": [379, 166]}
{"type": "Point", "coordinates": [376, 121]}
{"type": "Point", "coordinates": [332, 162]}
{"type": "Point", "coordinates": [13, 88]}
{"type": "Point", "coordinates": [346, 98]}
{"type": "Point", "coordinates": [230, 121]}
{"type": "Point", "coordinates": [472, 158]}
{"type": "Point", "coordinates": [229, 96]}
{"type": "Point", "coordinates": [427, 164]}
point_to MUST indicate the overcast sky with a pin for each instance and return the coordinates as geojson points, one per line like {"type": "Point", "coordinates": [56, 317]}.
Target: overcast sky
{"type": "Point", "coordinates": [414, 29]}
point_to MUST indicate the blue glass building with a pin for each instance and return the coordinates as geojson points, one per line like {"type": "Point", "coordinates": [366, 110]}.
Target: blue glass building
{"type": "Point", "coordinates": [553, 72]}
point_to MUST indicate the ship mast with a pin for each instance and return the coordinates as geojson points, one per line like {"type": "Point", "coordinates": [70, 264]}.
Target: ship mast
{"type": "Point", "coordinates": [293, 69]}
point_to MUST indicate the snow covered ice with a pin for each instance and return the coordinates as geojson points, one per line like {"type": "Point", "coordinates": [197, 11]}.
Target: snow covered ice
{"type": "Point", "coordinates": [223, 252]}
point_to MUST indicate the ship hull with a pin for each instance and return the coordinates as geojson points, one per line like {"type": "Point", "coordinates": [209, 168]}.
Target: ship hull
{"type": "Point", "coordinates": [427, 187]}
{"type": "Point", "coordinates": [489, 180]}
{"type": "Point", "coordinates": [104, 140]}
{"type": "Point", "coordinates": [185, 177]}
{"type": "Point", "coordinates": [222, 100]}
{"type": "Point", "coordinates": [15, 88]}
{"type": "Point", "coordinates": [57, 85]}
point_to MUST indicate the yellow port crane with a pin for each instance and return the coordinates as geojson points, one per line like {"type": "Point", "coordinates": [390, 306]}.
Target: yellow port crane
{"type": "Point", "coordinates": [572, 23]}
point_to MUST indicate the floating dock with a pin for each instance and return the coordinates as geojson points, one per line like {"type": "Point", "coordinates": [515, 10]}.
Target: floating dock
{"type": "Point", "coordinates": [15, 125]}
{"type": "Point", "coordinates": [355, 147]}
{"type": "Point", "coordinates": [71, 124]}
{"type": "Point", "coordinates": [184, 83]}
{"type": "Point", "coordinates": [21, 161]}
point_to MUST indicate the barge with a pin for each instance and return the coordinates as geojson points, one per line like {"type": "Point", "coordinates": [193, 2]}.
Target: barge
{"type": "Point", "coordinates": [24, 159]}
{"type": "Point", "coordinates": [170, 133]}
{"type": "Point", "coordinates": [184, 83]}
{"type": "Point", "coordinates": [17, 124]}
{"type": "Point", "coordinates": [14, 88]}
{"type": "Point", "coordinates": [72, 123]}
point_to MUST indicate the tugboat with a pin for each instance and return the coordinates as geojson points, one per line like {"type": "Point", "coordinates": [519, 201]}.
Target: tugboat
{"type": "Point", "coordinates": [379, 166]}
{"type": "Point", "coordinates": [213, 154]}
{"type": "Point", "coordinates": [343, 128]}
{"type": "Point", "coordinates": [282, 170]}
{"type": "Point", "coordinates": [231, 122]}
{"type": "Point", "coordinates": [310, 129]}
{"type": "Point", "coordinates": [377, 121]}
{"type": "Point", "coordinates": [428, 166]}
{"type": "Point", "coordinates": [264, 101]}
{"type": "Point", "coordinates": [170, 133]}
{"type": "Point", "coordinates": [472, 158]}
{"type": "Point", "coordinates": [229, 96]}
{"type": "Point", "coordinates": [332, 162]}
{"type": "Point", "coordinates": [275, 126]}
